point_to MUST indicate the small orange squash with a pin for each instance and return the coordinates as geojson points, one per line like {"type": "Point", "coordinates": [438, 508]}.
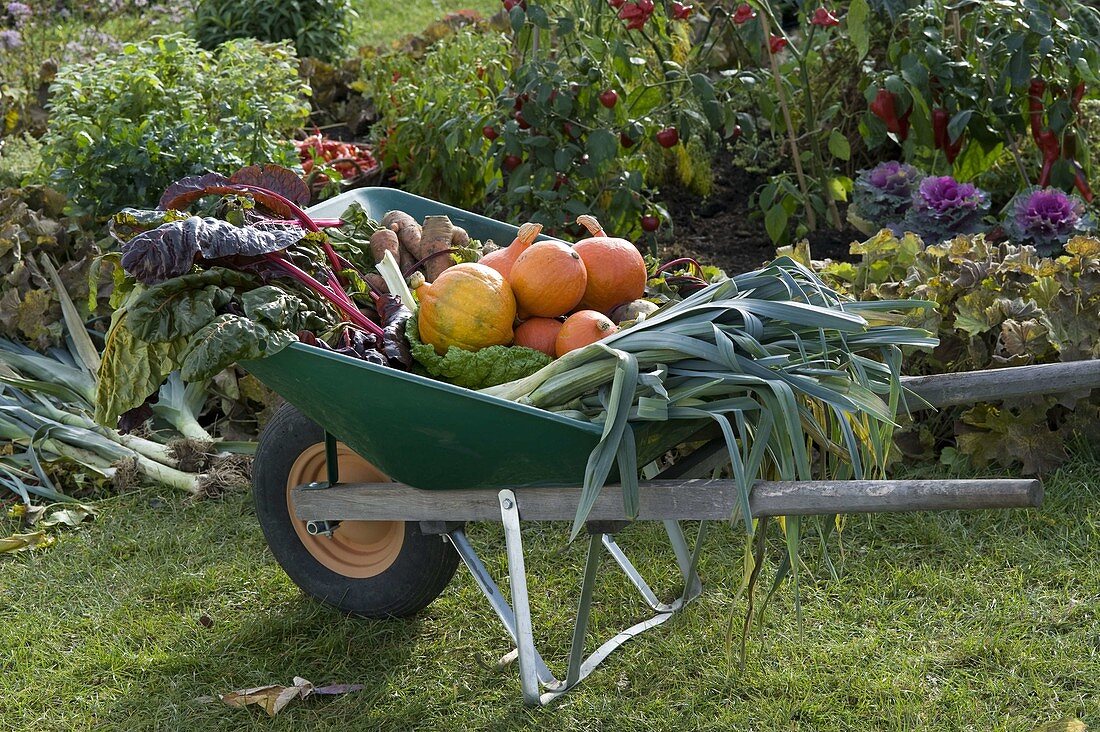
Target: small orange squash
{"type": "Point", "coordinates": [580, 329]}
{"type": "Point", "coordinates": [469, 306]}
{"type": "Point", "coordinates": [502, 260]}
{"type": "Point", "coordinates": [539, 333]}
{"type": "Point", "coordinates": [548, 280]}
{"type": "Point", "coordinates": [616, 270]}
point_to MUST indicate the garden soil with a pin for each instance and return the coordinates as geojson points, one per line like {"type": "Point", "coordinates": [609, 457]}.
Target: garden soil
{"type": "Point", "coordinates": [726, 231]}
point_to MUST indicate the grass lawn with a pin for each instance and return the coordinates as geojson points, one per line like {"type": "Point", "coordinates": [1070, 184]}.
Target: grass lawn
{"type": "Point", "coordinates": [983, 621]}
{"type": "Point", "coordinates": [382, 21]}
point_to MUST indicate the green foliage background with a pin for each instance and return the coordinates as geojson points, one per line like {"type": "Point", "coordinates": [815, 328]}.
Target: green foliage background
{"type": "Point", "coordinates": [125, 126]}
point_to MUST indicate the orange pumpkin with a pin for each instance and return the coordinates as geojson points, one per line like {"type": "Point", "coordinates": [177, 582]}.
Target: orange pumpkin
{"type": "Point", "coordinates": [502, 260]}
{"type": "Point", "coordinates": [469, 306]}
{"type": "Point", "coordinates": [548, 280]}
{"type": "Point", "coordinates": [539, 333]}
{"type": "Point", "coordinates": [616, 270]}
{"type": "Point", "coordinates": [580, 329]}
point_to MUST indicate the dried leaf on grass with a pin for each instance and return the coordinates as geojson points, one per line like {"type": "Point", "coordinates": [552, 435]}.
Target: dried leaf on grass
{"type": "Point", "coordinates": [19, 542]}
{"type": "Point", "coordinates": [1063, 725]}
{"type": "Point", "coordinates": [274, 697]}
{"type": "Point", "coordinates": [72, 516]}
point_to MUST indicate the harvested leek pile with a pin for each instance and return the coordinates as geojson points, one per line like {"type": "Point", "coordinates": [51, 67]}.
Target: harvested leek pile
{"type": "Point", "coordinates": [803, 382]}
{"type": "Point", "coordinates": [46, 407]}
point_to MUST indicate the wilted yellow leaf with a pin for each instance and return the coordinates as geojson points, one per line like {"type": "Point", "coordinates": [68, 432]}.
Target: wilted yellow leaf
{"type": "Point", "coordinates": [1063, 725]}
{"type": "Point", "coordinates": [19, 542]}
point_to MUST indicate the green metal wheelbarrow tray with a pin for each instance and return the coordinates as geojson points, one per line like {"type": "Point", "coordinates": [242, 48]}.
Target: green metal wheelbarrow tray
{"type": "Point", "coordinates": [365, 480]}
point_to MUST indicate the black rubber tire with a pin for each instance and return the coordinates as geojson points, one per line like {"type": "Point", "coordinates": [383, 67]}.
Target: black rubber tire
{"type": "Point", "coordinates": [421, 571]}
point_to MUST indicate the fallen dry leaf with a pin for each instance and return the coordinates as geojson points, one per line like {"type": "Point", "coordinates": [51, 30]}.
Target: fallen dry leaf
{"type": "Point", "coordinates": [274, 697]}
{"type": "Point", "coordinates": [337, 689]}
{"type": "Point", "coordinates": [1063, 725]}
{"type": "Point", "coordinates": [19, 542]}
{"type": "Point", "coordinates": [70, 517]}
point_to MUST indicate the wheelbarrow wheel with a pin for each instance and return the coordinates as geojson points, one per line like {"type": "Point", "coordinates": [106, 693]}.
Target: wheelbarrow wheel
{"type": "Point", "coordinates": [375, 569]}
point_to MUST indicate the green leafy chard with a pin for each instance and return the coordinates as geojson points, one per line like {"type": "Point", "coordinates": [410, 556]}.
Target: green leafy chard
{"type": "Point", "coordinates": [181, 323]}
{"type": "Point", "coordinates": [209, 293]}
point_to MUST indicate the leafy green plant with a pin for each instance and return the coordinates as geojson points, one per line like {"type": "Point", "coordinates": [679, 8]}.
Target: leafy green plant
{"type": "Point", "coordinates": [38, 36]}
{"type": "Point", "coordinates": [20, 156]}
{"type": "Point", "coordinates": [317, 28]}
{"type": "Point", "coordinates": [124, 127]}
{"type": "Point", "coordinates": [996, 305]}
{"type": "Point", "coordinates": [432, 111]}
{"type": "Point", "coordinates": [47, 403]}
{"type": "Point", "coordinates": [574, 112]}
{"type": "Point", "coordinates": [959, 88]}
{"type": "Point", "coordinates": [604, 104]}
{"type": "Point", "coordinates": [195, 295]}
{"type": "Point", "coordinates": [32, 226]}
{"type": "Point", "coordinates": [804, 80]}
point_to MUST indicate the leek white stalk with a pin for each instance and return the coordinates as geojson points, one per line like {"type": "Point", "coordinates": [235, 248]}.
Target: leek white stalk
{"type": "Point", "coordinates": [395, 281]}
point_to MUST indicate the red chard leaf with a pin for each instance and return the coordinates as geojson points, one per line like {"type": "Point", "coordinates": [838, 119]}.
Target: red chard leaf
{"type": "Point", "coordinates": [185, 191]}
{"type": "Point", "coordinates": [276, 179]}
{"type": "Point", "coordinates": [170, 249]}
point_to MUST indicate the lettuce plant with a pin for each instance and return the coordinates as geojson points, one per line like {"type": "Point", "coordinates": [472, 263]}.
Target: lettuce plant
{"type": "Point", "coordinates": [996, 305]}
{"type": "Point", "coordinates": [943, 208]}
{"type": "Point", "coordinates": [1045, 218]}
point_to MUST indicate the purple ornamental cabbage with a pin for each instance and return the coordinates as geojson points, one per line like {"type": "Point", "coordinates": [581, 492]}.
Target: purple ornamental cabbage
{"type": "Point", "coordinates": [882, 195]}
{"type": "Point", "coordinates": [942, 209]}
{"type": "Point", "coordinates": [1045, 218]}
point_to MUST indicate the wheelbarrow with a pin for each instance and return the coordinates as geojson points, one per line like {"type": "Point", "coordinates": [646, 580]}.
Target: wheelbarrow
{"type": "Point", "coordinates": [364, 500]}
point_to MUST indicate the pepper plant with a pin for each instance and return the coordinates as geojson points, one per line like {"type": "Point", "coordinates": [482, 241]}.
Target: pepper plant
{"type": "Point", "coordinates": [802, 83]}
{"type": "Point", "coordinates": [963, 86]}
{"type": "Point", "coordinates": [598, 93]}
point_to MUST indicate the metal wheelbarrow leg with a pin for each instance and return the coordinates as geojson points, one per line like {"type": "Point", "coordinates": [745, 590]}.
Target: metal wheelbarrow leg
{"type": "Point", "coordinates": [533, 670]}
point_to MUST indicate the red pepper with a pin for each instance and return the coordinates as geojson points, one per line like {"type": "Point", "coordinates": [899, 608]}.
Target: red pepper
{"type": "Point", "coordinates": [1051, 149]}
{"type": "Point", "coordinates": [885, 108]}
{"type": "Point", "coordinates": [903, 124]}
{"type": "Point", "coordinates": [939, 128]}
{"type": "Point", "coordinates": [1078, 95]}
{"type": "Point", "coordinates": [941, 137]}
{"type": "Point", "coordinates": [1069, 144]}
{"type": "Point", "coordinates": [1081, 182]}
{"type": "Point", "coordinates": [952, 149]}
{"type": "Point", "coordinates": [1035, 106]}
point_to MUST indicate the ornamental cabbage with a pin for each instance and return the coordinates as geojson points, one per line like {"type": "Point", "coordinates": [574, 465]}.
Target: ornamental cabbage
{"type": "Point", "coordinates": [942, 209]}
{"type": "Point", "coordinates": [1045, 218]}
{"type": "Point", "coordinates": [882, 195]}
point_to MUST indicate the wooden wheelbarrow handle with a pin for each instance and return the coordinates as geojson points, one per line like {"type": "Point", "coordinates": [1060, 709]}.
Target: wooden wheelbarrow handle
{"type": "Point", "coordinates": [666, 499]}
{"type": "Point", "coordinates": [945, 390]}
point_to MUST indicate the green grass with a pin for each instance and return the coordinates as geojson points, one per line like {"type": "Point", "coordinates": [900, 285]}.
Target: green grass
{"type": "Point", "coordinates": [380, 22]}
{"type": "Point", "coordinates": [984, 621]}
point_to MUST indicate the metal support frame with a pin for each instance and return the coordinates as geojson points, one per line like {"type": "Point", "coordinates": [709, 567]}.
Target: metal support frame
{"type": "Point", "coordinates": [676, 494]}
{"type": "Point", "coordinates": [516, 618]}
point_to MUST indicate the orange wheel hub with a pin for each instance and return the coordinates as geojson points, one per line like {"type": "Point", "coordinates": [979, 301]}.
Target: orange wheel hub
{"type": "Point", "coordinates": [357, 549]}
